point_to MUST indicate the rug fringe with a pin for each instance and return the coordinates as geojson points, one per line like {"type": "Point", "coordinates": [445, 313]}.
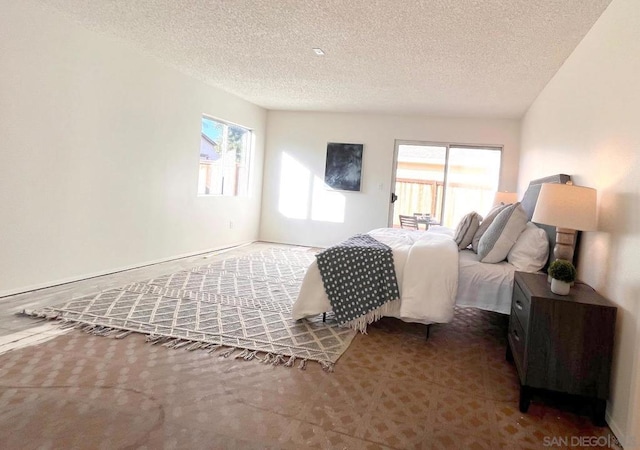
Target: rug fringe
{"type": "Point", "coordinates": [242, 354]}
{"type": "Point", "coordinates": [170, 342]}
{"type": "Point", "coordinates": [39, 314]}
{"type": "Point", "coordinates": [246, 354]}
{"type": "Point", "coordinates": [103, 331]}
{"type": "Point", "coordinates": [227, 353]}
{"type": "Point", "coordinates": [291, 362]}
{"type": "Point", "coordinates": [123, 334]}
{"type": "Point", "coordinates": [251, 355]}
{"type": "Point", "coordinates": [213, 347]}
{"type": "Point", "coordinates": [154, 339]}
{"type": "Point", "coordinates": [327, 366]}
{"type": "Point", "coordinates": [182, 344]}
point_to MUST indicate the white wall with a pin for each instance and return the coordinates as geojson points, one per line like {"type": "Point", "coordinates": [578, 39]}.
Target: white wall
{"type": "Point", "coordinates": [586, 123]}
{"type": "Point", "coordinates": [296, 207]}
{"type": "Point", "coordinates": [99, 150]}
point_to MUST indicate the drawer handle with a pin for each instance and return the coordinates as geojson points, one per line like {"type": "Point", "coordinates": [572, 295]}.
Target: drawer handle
{"type": "Point", "coordinates": [519, 305]}
{"type": "Point", "coordinates": [515, 335]}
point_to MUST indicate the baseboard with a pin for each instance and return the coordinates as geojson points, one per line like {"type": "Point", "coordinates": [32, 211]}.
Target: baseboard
{"type": "Point", "coordinates": [615, 429]}
{"type": "Point", "coordinates": [36, 287]}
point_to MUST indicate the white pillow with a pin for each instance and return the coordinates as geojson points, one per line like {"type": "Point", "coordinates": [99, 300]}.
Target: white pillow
{"type": "Point", "coordinates": [531, 250]}
{"type": "Point", "coordinates": [467, 229]}
{"type": "Point", "coordinates": [503, 232]}
{"type": "Point", "coordinates": [484, 225]}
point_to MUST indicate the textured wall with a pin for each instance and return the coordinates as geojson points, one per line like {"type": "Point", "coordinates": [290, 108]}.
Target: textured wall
{"type": "Point", "coordinates": [585, 123]}
{"type": "Point", "coordinates": [99, 155]}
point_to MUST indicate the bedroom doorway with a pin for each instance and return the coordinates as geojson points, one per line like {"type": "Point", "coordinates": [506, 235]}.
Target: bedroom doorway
{"type": "Point", "coordinates": [445, 181]}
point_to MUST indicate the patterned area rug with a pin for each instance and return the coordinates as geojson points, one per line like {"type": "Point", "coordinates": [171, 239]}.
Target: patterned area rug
{"type": "Point", "coordinates": [239, 306]}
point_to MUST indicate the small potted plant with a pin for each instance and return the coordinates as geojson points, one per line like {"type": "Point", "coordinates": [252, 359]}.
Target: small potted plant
{"type": "Point", "coordinates": [562, 273]}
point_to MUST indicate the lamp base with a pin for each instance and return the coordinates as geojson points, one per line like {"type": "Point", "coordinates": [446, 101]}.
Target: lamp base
{"type": "Point", "coordinates": [564, 248]}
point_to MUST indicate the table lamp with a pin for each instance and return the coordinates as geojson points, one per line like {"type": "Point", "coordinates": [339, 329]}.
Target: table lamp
{"type": "Point", "coordinates": [568, 208]}
{"type": "Point", "coordinates": [505, 198]}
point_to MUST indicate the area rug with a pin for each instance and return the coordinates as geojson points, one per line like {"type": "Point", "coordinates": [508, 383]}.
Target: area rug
{"type": "Point", "coordinates": [236, 305]}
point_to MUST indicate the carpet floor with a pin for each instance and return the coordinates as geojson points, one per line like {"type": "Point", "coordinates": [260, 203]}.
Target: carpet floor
{"type": "Point", "coordinates": [391, 389]}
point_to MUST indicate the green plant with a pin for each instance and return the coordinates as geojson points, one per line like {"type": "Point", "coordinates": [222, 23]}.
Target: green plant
{"type": "Point", "coordinates": [562, 270]}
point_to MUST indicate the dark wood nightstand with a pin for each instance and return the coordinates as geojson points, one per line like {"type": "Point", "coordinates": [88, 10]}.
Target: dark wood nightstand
{"type": "Point", "coordinates": [562, 343]}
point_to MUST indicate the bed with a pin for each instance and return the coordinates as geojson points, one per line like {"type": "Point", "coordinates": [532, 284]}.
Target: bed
{"type": "Point", "coordinates": [434, 275]}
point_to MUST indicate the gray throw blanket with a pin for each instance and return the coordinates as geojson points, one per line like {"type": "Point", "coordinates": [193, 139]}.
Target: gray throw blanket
{"type": "Point", "coordinates": [359, 279]}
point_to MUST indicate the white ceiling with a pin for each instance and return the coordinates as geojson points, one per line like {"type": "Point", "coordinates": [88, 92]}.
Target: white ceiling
{"type": "Point", "coordinates": [469, 58]}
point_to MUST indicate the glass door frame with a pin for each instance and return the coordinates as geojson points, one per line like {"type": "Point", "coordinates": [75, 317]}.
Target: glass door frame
{"type": "Point", "coordinates": [447, 145]}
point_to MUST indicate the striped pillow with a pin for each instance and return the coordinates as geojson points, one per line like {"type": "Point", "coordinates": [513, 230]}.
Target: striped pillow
{"type": "Point", "coordinates": [467, 229]}
{"type": "Point", "coordinates": [484, 225]}
{"type": "Point", "coordinates": [503, 232]}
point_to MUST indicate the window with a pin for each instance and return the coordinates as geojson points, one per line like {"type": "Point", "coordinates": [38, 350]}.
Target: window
{"type": "Point", "coordinates": [224, 158]}
{"type": "Point", "coordinates": [445, 180]}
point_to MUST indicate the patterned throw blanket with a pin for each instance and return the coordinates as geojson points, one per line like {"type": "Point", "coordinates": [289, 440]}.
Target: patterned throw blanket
{"type": "Point", "coordinates": [360, 280]}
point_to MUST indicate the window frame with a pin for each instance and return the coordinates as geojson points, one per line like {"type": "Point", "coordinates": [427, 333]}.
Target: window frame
{"type": "Point", "coordinates": [241, 182]}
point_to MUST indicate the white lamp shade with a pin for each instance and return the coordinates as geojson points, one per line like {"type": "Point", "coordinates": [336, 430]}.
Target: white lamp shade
{"type": "Point", "coordinates": [566, 206]}
{"type": "Point", "coordinates": [505, 198]}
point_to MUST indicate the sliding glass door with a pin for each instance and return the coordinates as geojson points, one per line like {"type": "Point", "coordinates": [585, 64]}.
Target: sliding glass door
{"type": "Point", "coordinates": [473, 177]}
{"type": "Point", "coordinates": [444, 180]}
{"type": "Point", "coordinates": [419, 180]}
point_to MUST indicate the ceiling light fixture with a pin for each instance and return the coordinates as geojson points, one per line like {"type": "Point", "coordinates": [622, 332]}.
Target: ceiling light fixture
{"type": "Point", "coordinates": [318, 51]}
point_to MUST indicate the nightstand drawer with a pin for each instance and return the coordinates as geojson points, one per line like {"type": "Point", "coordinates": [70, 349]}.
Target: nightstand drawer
{"type": "Point", "coordinates": [517, 341]}
{"type": "Point", "coordinates": [520, 304]}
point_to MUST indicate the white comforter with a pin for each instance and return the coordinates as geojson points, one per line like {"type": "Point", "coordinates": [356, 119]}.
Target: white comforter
{"type": "Point", "coordinates": [426, 266]}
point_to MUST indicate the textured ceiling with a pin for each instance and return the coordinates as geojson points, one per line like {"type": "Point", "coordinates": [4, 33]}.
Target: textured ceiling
{"type": "Point", "coordinates": [469, 58]}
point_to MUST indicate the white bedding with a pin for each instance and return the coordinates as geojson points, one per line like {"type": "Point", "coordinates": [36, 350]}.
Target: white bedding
{"type": "Point", "coordinates": [476, 284]}
{"type": "Point", "coordinates": [426, 266]}
{"type": "Point", "coordinates": [484, 286]}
